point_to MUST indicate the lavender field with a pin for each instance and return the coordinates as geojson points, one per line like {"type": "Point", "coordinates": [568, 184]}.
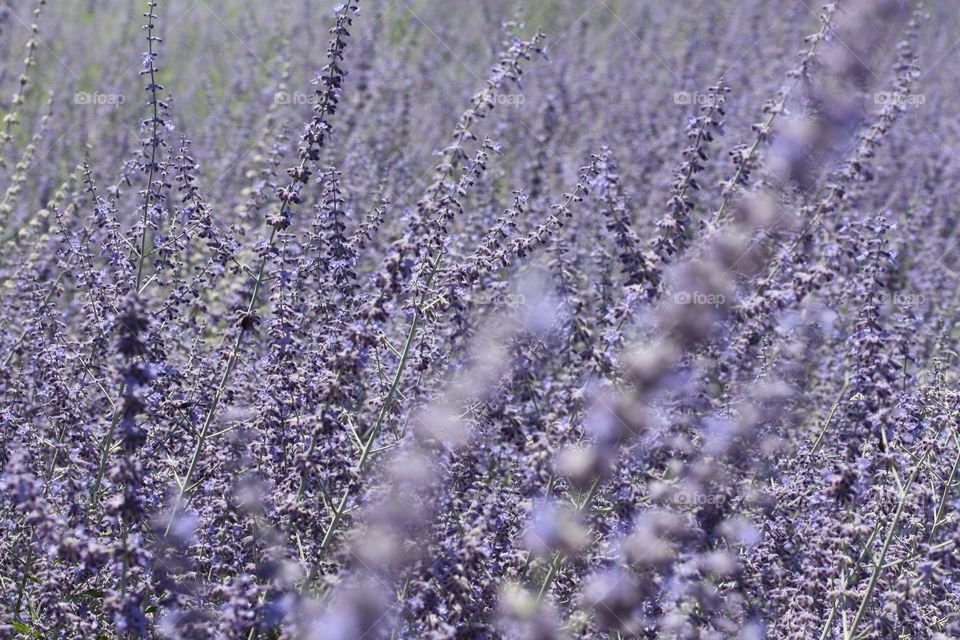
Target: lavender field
{"type": "Point", "coordinates": [479, 320]}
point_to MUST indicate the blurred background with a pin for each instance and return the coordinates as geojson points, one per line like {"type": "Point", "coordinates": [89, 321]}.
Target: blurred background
{"type": "Point", "coordinates": [237, 73]}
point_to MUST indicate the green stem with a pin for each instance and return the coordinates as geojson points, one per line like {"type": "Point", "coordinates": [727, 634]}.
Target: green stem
{"type": "Point", "coordinates": [938, 515]}
{"type": "Point", "coordinates": [875, 574]}
{"type": "Point", "coordinates": [388, 402]}
{"type": "Point", "coordinates": [558, 558]}
{"type": "Point", "coordinates": [28, 567]}
{"type": "Point", "coordinates": [101, 468]}
{"type": "Point", "coordinates": [23, 334]}
{"type": "Point", "coordinates": [142, 258]}
{"type": "Point", "coordinates": [845, 579]}
{"type": "Point", "coordinates": [222, 385]}
{"type": "Point", "coordinates": [833, 411]}
{"type": "Point", "coordinates": [551, 575]}
{"type": "Point", "coordinates": [779, 107]}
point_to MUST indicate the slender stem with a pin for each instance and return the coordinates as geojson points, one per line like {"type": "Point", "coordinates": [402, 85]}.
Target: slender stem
{"type": "Point", "coordinates": [101, 468]}
{"type": "Point", "coordinates": [845, 579]}
{"type": "Point", "coordinates": [558, 558]}
{"type": "Point", "coordinates": [551, 575]}
{"type": "Point", "coordinates": [765, 127]}
{"type": "Point", "coordinates": [875, 575]}
{"type": "Point", "coordinates": [701, 132]}
{"type": "Point", "coordinates": [28, 567]}
{"type": "Point", "coordinates": [307, 150]}
{"type": "Point", "coordinates": [142, 258]}
{"type": "Point", "coordinates": [388, 402]}
{"type": "Point", "coordinates": [224, 378]}
{"type": "Point", "coordinates": [23, 334]}
{"type": "Point", "coordinates": [938, 515]}
{"type": "Point", "coordinates": [833, 411]}
{"type": "Point", "coordinates": [13, 118]}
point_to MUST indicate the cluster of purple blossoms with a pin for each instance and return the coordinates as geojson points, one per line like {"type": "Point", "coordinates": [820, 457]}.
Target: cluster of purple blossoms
{"type": "Point", "coordinates": [650, 331]}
